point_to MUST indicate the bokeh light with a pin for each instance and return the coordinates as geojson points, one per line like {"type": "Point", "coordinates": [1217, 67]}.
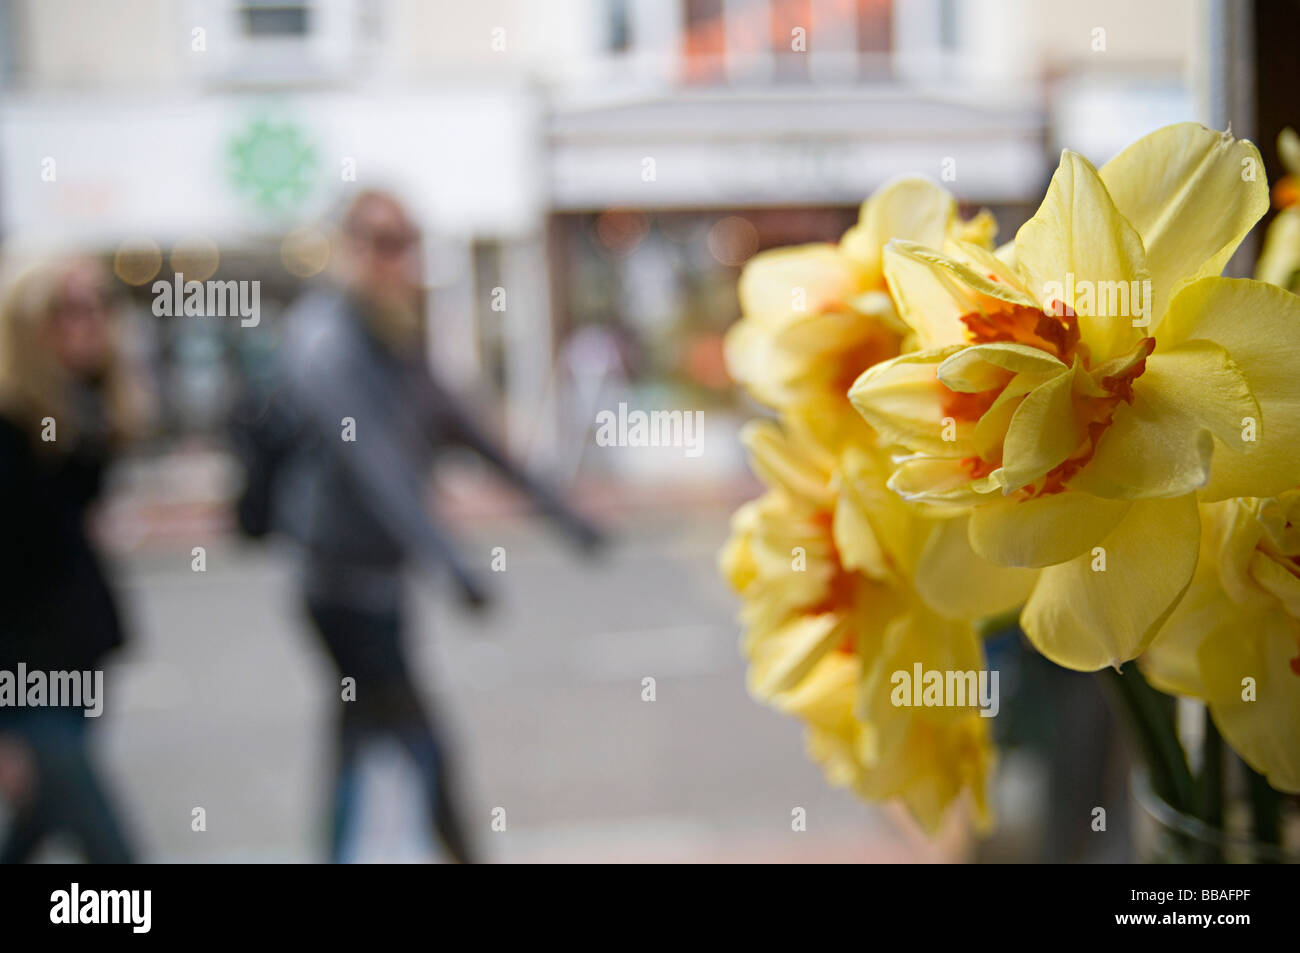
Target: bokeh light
{"type": "Point", "coordinates": [196, 257]}
{"type": "Point", "coordinates": [733, 240]}
{"type": "Point", "coordinates": [305, 252]}
{"type": "Point", "coordinates": [620, 232]}
{"type": "Point", "coordinates": [137, 260]}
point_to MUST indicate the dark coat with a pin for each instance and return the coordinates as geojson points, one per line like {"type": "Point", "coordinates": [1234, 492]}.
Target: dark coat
{"type": "Point", "coordinates": [57, 611]}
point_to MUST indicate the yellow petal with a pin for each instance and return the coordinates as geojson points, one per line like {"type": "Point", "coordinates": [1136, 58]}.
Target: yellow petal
{"type": "Point", "coordinates": [973, 274]}
{"type": "Point", "coordinates": [755, 360]}
{"type": "Point", "coordinates": [808, 319]}
{"type": "Point", "coordinates": [925, 756]}
{"type": "Point", "coordinates": [982, 367]}
{"type": "Point", "coordinates": [1161, 444]}
{"type": "Point", "coordinates": [940, 480]}
{"type": "Point", "coordinates": [829, 420]}
{"type": "Point", "coordinates": [804, 279]}
{"type": "Point", "coordinates": [778, 592]}
{"type": "Point", "coordinates": [903, 399]}
{"type": "Point", "coordinates": [836, 752]}
{"type": "Point", "coordinates": [1288, 150]}
{"type": "Point", "coordinates": [1006, 253]}
{"type": "Point", "coordinates": [736, 560]}
{"type": "Point", "coordinates": [832, 332]}
{"type": "Point", "coordinates": [1234, 530]}
{"type": "Point", "coordinates": [1044, 431]}
{"type": "Point", "coordinates": [957, 584]}
{"type": "Point", "coordinates": [1202, 382]}
{"type": "Point", "coordinates": [743, 347]}
{"type": "Point", "coordinates": [931, 307]}
{"type": "Point", "coordinates": [1278, 579]}
{"type": "Point", "coordinates": [1085, 618]}
{"type": "Point", "coordinates": [784, 458]}
{"type": "Point", "coordinates": [1265, 731]}
{"type": "Point", "coordinates": [934, 290]}
{"type": "Point", "coordinates": [783, 657]}
{"type": "Point", "coordinates": [1279, 259]}
{"type": "Point", "coordinates": [1259, 326]}
{"type": "Point", "coordinates": [1192, 194]}
{"type": "Point", "coordinates": [1280, 518]}
{"type": "Point", "coordinates": [991, 430]}
{"type": "Point", "coordinates": [1042, 531]}
{"type": "Point", "coordinates": [1170, 662]}
{"type": "Point", "coordinates": [827, 695]}
{"type": "Point", "coordinates": [943, 760]}
{"type": "Point", "coordinates": [1078, 236]}
{"type": "Point", "coordinates": [912, 638]}
{"type": "Point", "coordinates": [912, 208]}
{"type": "Point", "coordinates": [873, 526]}
{"type": "Point", "coordinates": [979, 231]}
{"type": "Point", "coordinates": [985, 264]}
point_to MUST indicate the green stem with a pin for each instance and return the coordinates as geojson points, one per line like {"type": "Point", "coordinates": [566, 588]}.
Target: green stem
{"type": "Point", "coordinates": [1265, 805]}
{"type": "Point", "coordinates": [1149, 716]}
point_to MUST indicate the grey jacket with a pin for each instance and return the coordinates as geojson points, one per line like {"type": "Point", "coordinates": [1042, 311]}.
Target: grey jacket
{"type": "Point", "coordinates": [362, 503]}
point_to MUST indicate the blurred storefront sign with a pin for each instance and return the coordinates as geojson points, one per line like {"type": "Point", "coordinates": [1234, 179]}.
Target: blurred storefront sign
{"type": "Point", "coordinates": [755, 149]}
{"type": "Point", "coordinates": [232, 166]}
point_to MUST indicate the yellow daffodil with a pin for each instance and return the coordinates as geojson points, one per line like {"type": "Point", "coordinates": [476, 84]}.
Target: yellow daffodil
{"type": "Point", "coordinates": [917, 755]}
{"type": "Point", "coordinates": [1081, 393]}
{"type": "Point", "coordinates": [844, 583]}
{"type": "Point", "coordinates": [815, 316]}
{"type": "Point", "coordinates": [1234, 640]}
{"type": "Point", "coordinates": [802, 596]}
{"type": "Point", "coordinates": [1279, 260]}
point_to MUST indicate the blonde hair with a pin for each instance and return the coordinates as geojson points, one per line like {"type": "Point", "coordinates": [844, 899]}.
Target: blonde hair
{"type": "Point", "coordinates": [33, 383]}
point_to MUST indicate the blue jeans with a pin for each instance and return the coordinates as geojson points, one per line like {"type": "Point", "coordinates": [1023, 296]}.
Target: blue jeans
{"type": "Point", "coordinates": [68, 797]}
{"type": "Point", "coordinates": [367, 646]}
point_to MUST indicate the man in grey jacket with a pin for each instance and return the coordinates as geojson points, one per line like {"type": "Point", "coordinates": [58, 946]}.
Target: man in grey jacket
{"type": "Point", "coordinates": [356, 389]}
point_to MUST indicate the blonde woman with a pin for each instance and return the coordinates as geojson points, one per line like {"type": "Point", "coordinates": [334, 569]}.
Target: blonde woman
{"type": "Point", "coordinates": [65, 408]}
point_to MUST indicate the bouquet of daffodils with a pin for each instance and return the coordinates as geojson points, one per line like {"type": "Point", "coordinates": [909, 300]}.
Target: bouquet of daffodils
{"type": "Point", "coordinates": [1087, 430]}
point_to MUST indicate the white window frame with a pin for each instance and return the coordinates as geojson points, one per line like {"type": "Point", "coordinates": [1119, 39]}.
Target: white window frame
{"type": "Point", "coordinates": [329, 51]}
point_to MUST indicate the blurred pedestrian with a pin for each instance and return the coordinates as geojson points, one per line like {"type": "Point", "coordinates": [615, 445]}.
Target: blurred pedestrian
{"type": "Point", "coordinates": [67, 405]}
{"type": "Point", "coordinates": [358, 391]}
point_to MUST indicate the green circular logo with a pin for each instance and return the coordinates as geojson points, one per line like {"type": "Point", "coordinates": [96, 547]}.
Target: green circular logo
{"type": "Point", "coordinates": [273, 163]}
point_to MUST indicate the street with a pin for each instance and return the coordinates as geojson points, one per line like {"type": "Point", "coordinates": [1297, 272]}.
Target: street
{"type": "Point", "coordinates": [224, 704]}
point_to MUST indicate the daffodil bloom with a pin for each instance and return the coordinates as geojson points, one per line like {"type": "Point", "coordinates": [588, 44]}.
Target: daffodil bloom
{"type": "Point", "coordinates": [1279, 260]}
{"type": "Point", "coordinates": [802, 596]}
{"type": "Point", "coordinates": [1234, 640]}
{"type": "Point", "coordinates": [815, 316]}
{"type": "Point", "coordinates": [843, 583]}
{"type": "Point", "coordinates": [919, 756]}
{"type": "Point", "coordinates": [1082, 393]}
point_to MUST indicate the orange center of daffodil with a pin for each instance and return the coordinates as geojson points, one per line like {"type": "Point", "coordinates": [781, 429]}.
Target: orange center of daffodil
{"type": "Point", "coordinates": [1057, 333]}
{"type": "Point", "coordinates": [876, 345]}
{"type": "Point", "coordinates": [841, 588]}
